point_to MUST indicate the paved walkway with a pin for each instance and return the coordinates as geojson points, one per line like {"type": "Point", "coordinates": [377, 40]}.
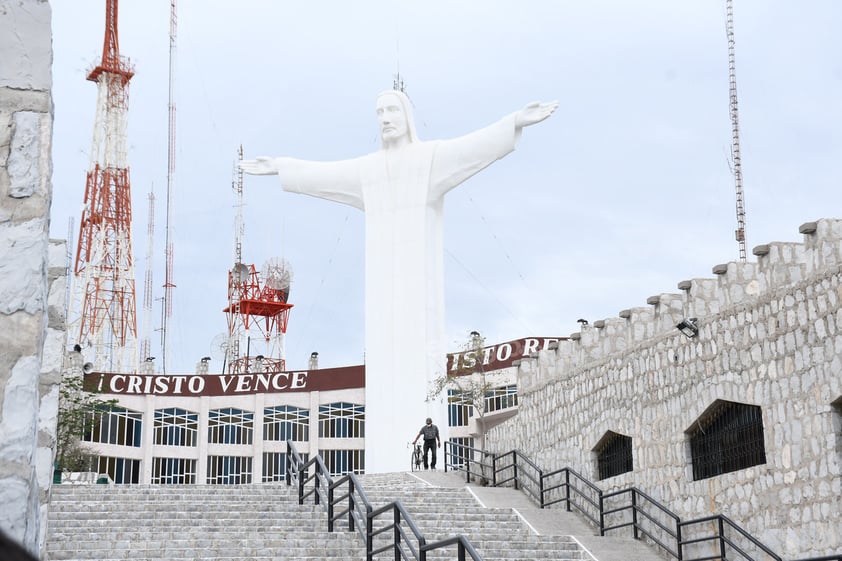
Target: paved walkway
{"type": "Point", "coordinates": [547, 522]}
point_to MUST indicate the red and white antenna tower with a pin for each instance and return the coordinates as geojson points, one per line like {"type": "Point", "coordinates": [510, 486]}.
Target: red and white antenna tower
{"type": "Point", "coordinates": [103, 315]}
{"type": "Point", "coordinates": [256, 299]}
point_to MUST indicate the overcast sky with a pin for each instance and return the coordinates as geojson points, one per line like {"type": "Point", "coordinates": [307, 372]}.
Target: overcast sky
{"type": "Point", "coordinates": [625, 191]}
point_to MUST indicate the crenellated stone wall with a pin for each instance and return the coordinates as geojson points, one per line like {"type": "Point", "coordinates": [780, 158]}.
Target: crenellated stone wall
{"type": "Point", "coordinates": [770, 335]}
{"type": "Point", "coordinates": [32, 273]}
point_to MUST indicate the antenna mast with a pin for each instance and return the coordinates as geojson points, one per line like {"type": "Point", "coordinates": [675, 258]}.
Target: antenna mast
{"type": "Point", "coordinates": [740, 233]}
{"type": "Point", "coordinates": [169, 283]}
{"type": "Point", "coordinates": [146, 342]}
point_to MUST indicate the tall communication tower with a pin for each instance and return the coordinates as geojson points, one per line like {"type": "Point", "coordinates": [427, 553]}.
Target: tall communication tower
{"type": "Point", "coordinates": [169, 281]}
{"type": "Point", "coordinates": [737, 170]}
{"type": "Point", "coordinates": [103, 314]}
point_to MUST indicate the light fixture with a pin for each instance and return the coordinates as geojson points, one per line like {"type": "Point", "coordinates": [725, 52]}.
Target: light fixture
{"type": "Point", "coordinates": [205, 359]}
{"type": "Point", "coordinates": [149, 359]}
{"type": "Point", "coordinates": [688, 327]}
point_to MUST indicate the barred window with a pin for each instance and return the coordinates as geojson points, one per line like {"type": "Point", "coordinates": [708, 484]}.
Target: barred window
{"type": "Point", "coordinates": [120, 470]}
{"type": "Point", "coordinates": [727, 437]}
{"type": "Point", "coordinates": [285, 422]}
{"type": "Point", "coordinates": [613, 455]}
{"type": "Point", "coordinates": [176, 427]}
{"type": "Point", "coordinates": [229, 470]}
{"type": "Point", "coordinates": [459, 408]}
{"type": "Point", "coordinates": [341, 462]}
{"type": "Point", "coordinates": [230, 426]}
{"type": "Point", "coordinates": [173, 471]}
{"type": "Point", "coordinates": [501, 398]}
{"type": "Point", "coordinates": [341, 420]}
{"type": "Point", "coordinates": [115, 425]}
{"type": "Point", "coordinates": [460, 450]}
{"type": "Point", "coordinates": [275, 466]}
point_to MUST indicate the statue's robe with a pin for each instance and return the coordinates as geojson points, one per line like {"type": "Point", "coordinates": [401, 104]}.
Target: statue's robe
{"type": "Point", "coordinates": [402, 192]}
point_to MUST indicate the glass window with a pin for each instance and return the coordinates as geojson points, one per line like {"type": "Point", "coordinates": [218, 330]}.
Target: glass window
{"type": "Point", "coordinates": [285, 422]}
{"type": "Point", "coordinates": [341, 420]}
{"type": "Point", "coordinates": [230, 426]}
{"type": "Point", "coordinates": [176, 427]}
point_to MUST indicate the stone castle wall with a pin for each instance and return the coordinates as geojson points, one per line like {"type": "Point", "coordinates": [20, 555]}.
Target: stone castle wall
{"type": "Point", "coordinates": [32, 273]}
{"type": "Point", "coordinates": [770, 335]}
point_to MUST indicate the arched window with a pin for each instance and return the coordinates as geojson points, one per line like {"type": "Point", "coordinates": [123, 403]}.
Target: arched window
{"type": "Point", "coordinates": [725, 438]}
{"type": "Point", "coordinates": [613, 455]}
{"type": "Point", "coordinates": [341, 420]}
{"type": "Point", "coordinates": [285, 422]}
{"type": "Point", "coordinates": [230, 426]}
{"type": "Point", "coordinates": [176, 427]}
{"type": "Point", "coordinates": [114, 425]}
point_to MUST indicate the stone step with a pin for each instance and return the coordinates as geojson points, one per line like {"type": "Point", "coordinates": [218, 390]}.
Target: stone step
{"type": "Point", "coordinates": [261, 522]}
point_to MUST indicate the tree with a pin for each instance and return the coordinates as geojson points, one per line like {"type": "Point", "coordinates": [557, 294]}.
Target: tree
{"type": "Point", "coordinates": [470, 384]}
{"type": "Point", "coordinates": [77, 406]}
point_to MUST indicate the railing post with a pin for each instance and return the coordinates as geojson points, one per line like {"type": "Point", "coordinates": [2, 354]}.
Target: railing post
{"type": "Point", "coordinates": [329, 508]}
{"type": "Point", "coordinates": [601, 515]}
{"type": "Point", "coordinates": [567, 489]}
{"type": "Point", "coordinates": [721, 536]}
{"type": "Point", "coordinates": [634, 513]}
{"type": "Point", "coordinates": [288, 461]}
{"type": "Point", "coordinates": [316, 485]}
{"type": "Point", "coordinates": [301, 474]}
{"type": "Point", "coordinates": [369, 534]}
{"type": "Point", "coordinates": [541, 486]}
{"type": "Point", "coordinates": [468, 454]}
{"type": "Point", "coordinates": [461, 551]}
{"type": "Point", "coordinates": [494, 470]}
{"type": "Point", "coordinates": [678, 540]}
{"type": "Point", "coordinates": [514, 463]}
{"type": "Point", "coordinates": [397, 533]}
{"type": "Point", "coordinates": [445, 455]}
{"type": "Point", "coordinates": [351, 505]}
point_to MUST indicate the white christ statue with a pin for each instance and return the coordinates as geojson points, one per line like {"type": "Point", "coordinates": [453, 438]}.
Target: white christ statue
{"type": "Point", "coordinates": [401, 189]}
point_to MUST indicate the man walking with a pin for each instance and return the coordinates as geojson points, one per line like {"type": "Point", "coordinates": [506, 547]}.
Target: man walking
{"type": "Point", "coordinates": [430, 432]}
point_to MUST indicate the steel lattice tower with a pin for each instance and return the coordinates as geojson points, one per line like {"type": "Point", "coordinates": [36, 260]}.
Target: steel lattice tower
{"type": "Point", "coordinates": [103, 309]}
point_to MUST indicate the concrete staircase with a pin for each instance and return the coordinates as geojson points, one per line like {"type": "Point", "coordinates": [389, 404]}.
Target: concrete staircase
{"type": "Point", "coordinates": [263, 522]}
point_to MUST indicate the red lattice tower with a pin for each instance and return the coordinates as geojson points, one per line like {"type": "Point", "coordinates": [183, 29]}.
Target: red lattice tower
{"type": "Point", "coordinates": [103, 310]}
{"type": "Point", "coordinates": [256, 299]}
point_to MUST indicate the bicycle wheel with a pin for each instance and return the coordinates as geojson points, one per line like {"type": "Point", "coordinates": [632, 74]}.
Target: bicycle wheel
{"type": "Point", "coordinates": [413, 461]}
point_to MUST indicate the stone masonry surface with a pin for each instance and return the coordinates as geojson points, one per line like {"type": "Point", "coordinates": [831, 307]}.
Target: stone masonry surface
{"type": "Point", "coordinates": [32, 274]}
{"type": "Point", "coordinates": [770, 335]}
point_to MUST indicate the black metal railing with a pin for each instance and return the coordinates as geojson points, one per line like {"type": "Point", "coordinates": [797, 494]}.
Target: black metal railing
{"type": "Point", "coordinates": [385, 529]}
{"type": "Point", "coordinates": [702, 539]}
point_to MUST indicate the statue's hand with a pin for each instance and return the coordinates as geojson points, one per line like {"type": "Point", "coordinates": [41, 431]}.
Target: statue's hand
{"type": "Point", "coordinates": [535, 112]}
{"type": "Point", "coordinates": [261, 166]}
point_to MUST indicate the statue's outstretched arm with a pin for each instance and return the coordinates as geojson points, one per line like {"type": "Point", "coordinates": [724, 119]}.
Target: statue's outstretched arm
{"type": "Point", "coordinates": [263, 165]}
{"type": "Point", "coordinates": [535, 112]}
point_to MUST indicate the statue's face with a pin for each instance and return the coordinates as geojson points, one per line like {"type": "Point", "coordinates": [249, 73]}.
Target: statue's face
{"type": "Point", "coordinates": [392, 119]}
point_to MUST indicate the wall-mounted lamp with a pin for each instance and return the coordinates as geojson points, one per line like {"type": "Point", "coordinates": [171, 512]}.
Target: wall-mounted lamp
{"type": "Point", "coordinates": [149, 359]}
{"type": "Point", "coordinates": [205, 359]}
{"type": "Point", "coordinates": [688, 327]}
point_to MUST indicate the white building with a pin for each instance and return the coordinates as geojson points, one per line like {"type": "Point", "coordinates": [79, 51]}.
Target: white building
{"type": "Point", "coordinates": [226, 428]}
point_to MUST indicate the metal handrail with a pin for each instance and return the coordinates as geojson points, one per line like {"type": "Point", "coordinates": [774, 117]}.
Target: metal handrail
{"type": "Point", "coordinates": [721, 521]}
{"type": "Point", "coordinates": [643, 521]}
{"type": "Point", "coordinates": [361, 514]}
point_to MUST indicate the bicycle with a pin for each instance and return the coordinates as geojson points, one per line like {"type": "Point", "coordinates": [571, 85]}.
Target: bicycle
{"type": "Point", "coordinates": [415, 460]}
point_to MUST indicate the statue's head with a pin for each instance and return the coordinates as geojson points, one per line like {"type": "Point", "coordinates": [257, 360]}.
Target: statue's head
{"type": "Point", "coordinates": [394, 115]}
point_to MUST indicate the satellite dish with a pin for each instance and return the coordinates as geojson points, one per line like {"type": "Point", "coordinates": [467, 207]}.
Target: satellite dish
{"type": "Point", "coordinates": [219, 346]}
{"type": "Point", "coordinates": [276, 273]}
{"type": "Point", "coordinates": [240, 272]}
